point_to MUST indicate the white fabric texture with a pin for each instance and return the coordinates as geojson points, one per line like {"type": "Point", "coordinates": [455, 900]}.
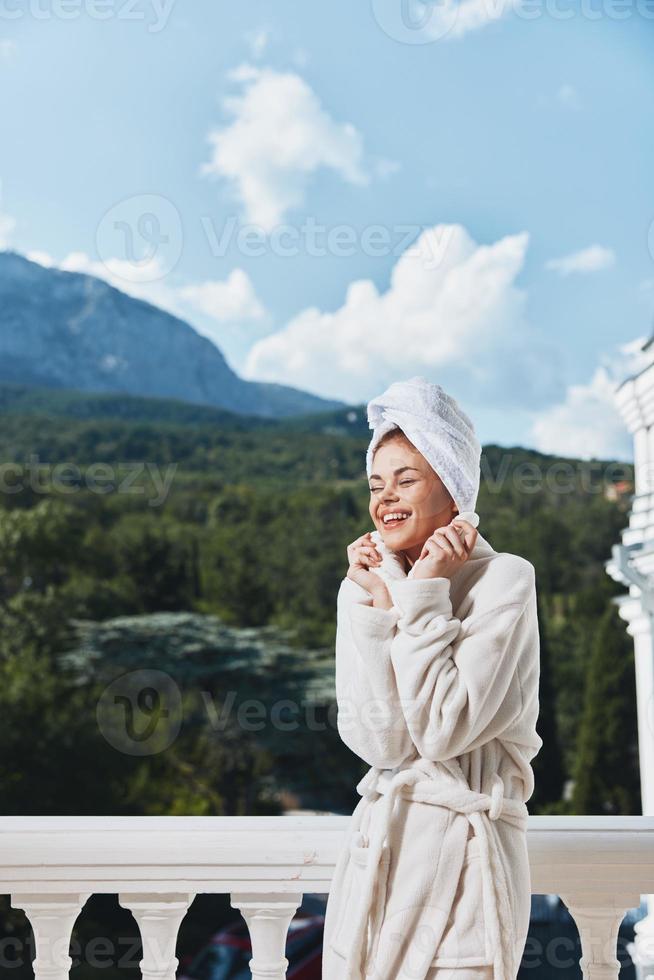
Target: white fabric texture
{"type": "Point", "coordinates": [439, 695]}
{"type": "Point", "coordinates": [437, 427]}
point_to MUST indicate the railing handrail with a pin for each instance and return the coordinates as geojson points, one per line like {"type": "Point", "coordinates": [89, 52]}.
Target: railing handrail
{"type": "Point", "coordinates": [290, 852]}
{"type": "Point", "coordinates": [599, 865]}
{"type": "Point", "coordinates": [330, 820]}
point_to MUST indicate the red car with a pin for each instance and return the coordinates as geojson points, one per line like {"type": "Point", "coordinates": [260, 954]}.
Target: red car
{"type": "Point", "coordinates": [228, 953]}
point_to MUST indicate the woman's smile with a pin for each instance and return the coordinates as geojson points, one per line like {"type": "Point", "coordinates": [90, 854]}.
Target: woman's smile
{"type": "Point", "coordinates": [394, 522]}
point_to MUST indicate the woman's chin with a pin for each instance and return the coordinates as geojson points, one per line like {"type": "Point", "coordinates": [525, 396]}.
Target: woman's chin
{"type": "Point", "coordinates": [395, 538]}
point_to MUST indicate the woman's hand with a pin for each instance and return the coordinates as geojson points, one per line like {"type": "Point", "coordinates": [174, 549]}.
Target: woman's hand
{"type": "Point", "coordinates": [446, 550]}
{"type": "Point", "coordinates": [363, 555]}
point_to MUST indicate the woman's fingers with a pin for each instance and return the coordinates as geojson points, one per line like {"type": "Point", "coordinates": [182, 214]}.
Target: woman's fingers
{"type": "Point", "coordinates": [364, 552]}
{"type": "Point", "coordinates": [453, 541]}
{"type": "Point", "coordinates": [425, 549]}
{"type": "Point", "coordinates": [368, 546]}
{"type": "Point", "coordinates": [442, 541]}
{"type": "Point", "coordinates": [461, 536]}
{"type": "Point", "coordinates": [454, 537]}
{"type": "Point", "coordinates": [469, 532]}
{"type": "Point", "coordinates": [446, 548]}
{"type": "Point", "coordinates": [470, 538]}
{"type": "Point", "coordinates": [446, 539]}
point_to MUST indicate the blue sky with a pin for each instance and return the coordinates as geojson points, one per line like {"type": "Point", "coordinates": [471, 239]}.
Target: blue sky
{"type": "Point", "coordinates": [261, 170]}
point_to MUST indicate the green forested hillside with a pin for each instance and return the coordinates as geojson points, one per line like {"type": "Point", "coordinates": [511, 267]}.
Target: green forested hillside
{"type": "Point", "coordinates": [243, 525]}
{"type": "Point", "coordinates": [22, 399]}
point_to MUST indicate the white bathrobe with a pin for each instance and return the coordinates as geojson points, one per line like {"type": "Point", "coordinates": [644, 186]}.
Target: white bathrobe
{"type": "Point", "coordinates": [439, 695]}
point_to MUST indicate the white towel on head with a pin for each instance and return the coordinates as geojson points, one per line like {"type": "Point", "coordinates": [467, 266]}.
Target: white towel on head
{"type": "Point", "coordinates": [439, 429]}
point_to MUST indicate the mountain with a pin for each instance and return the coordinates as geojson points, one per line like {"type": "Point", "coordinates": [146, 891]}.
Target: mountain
{"type": "Point", "coordinates": [28, 400]}
{"type": "Point", "coordinates": [40, 402]}
{"type": "Point", "coordinates": [70, 330]}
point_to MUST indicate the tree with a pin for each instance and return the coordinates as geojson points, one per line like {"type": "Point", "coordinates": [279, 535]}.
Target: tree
{"type": "Point", "coordinates": [606, 776]}
{"type": "Point", "coordinates": [548, 764]}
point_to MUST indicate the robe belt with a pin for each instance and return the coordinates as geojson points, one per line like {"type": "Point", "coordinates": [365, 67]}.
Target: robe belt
{"type": "Point", "coordinates": [480, 808]}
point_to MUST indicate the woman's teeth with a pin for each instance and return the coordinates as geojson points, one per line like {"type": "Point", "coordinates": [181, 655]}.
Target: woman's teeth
{"type": "Point", "coordinates": [391, 519]}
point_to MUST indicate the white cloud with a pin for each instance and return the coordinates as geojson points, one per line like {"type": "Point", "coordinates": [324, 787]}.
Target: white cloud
{"type": "Point", "coordinates": [448, 19]}
{"type": "Point", "coordinates": [279, 135]}
{"type": "Point", "coordinates": [591, 259]}
{"type": "Point", "coordinates": [228, 305]}
{"type": "Point", "coordinates": [145, 279]}
{"type": "Point", "coordinates": [43, 258]}
{"type": "Point", "coordinates": [452, 306]}
{"type": "Point", "coordinates": [232, 300]}
{"type": "Point", "coordinates": [475, 14]}
{"type": "Point", "coordinates": [114, 270]}
{"type": "Point", "coordinates": [586, 424]}
{"type": "Point", "coordinates": [568, 96]}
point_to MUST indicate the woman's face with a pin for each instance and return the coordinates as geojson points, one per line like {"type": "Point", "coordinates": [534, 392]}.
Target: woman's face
{"type": "Point", "coordinates": [402, 480]}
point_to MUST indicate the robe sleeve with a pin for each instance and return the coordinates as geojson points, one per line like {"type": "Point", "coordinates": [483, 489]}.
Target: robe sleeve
{"type": "Point", "coordinates": [459, 682]}
{"type": "Point", "coordinates": [370, 719]}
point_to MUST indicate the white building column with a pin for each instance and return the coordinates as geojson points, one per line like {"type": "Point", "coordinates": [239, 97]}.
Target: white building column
{"type": "Point", "coordinates": [642, 951]}
{"type": "Point", "coordinates": [640, 625]}
{"type": "Point", "coordinates": [643, 455]}
{"type": "Point", "coordinates": [632, 565]}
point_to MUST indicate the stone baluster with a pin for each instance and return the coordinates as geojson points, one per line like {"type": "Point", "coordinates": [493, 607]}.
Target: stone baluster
{"type": "Point", "coordinates": [598, 917]}
{"type": "Point", "coordinates": [268, 918]}
{"type": "Point", "coordinates": [159, 918]}
{"type": "Point", "coordinates": [52, 918]}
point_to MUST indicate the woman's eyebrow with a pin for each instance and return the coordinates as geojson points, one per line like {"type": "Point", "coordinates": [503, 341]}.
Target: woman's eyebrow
{"type": "Point", "coordinates": [376, 476]}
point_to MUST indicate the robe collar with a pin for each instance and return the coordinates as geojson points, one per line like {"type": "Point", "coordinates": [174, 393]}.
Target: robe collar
{"type": "Point", "coordinates": [393, 567]}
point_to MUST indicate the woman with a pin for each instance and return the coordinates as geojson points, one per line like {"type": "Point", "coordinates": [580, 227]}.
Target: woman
{"type": "Point", "coordinates": [437, 668]}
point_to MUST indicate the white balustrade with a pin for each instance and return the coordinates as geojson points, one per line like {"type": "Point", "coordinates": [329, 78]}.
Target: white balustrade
{"type": "Point", "coordinates": [49, 866]}
{"type": "Point", "coordinates": [52, 918]}
{"type": "Point", "coordinates": [159, 917]}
